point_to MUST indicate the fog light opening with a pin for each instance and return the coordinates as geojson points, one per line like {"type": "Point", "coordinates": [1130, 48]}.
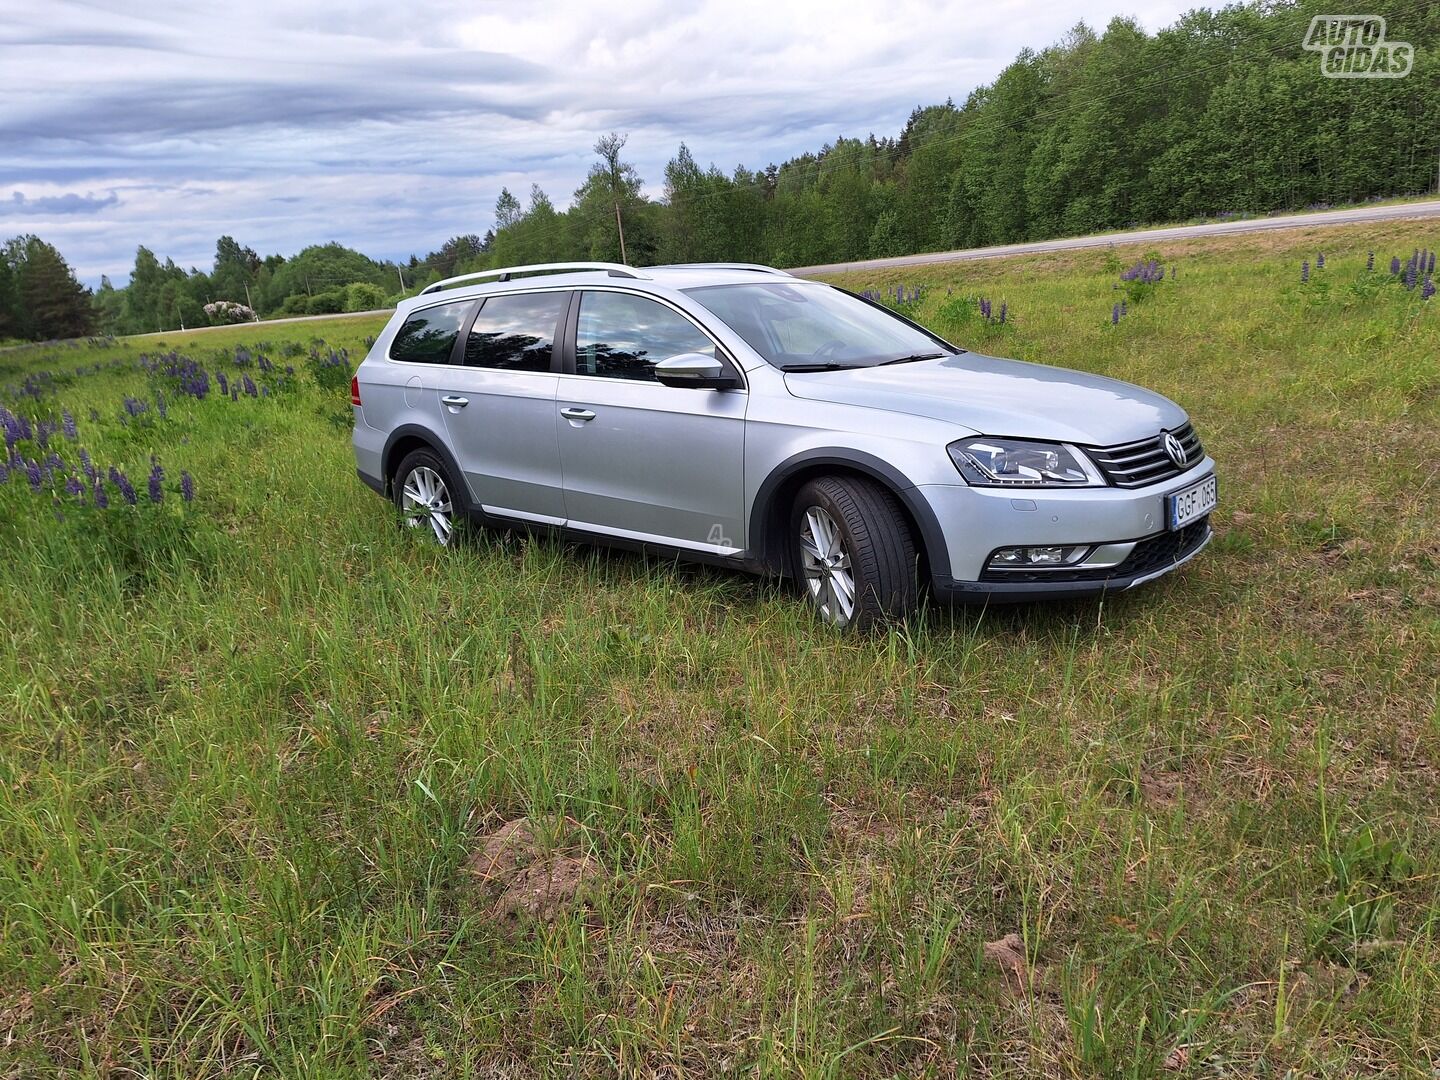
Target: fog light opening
{"type": "Point", "coordinates": [1038, 557]}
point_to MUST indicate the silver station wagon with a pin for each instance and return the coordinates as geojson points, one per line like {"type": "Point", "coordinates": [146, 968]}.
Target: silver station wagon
{"type": "Point", "coordinates": [737, 415]}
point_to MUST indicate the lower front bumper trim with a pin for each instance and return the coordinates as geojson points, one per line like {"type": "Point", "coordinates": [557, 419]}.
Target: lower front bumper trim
{"type": "Point", "coordinates": [1006, 592]}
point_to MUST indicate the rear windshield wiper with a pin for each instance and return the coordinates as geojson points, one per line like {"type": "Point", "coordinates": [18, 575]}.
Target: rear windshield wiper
{"type": "Point", "coordinates": [911, 359]}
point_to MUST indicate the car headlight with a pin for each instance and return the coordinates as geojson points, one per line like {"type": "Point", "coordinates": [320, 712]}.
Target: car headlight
{"type": "Point", "coordinates": [1022, 463]}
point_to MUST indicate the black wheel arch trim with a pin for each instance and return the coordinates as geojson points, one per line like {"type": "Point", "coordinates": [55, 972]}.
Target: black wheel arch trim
{"type": "Point", "coordinates": [436, 445]}
{"type": "Point", "coordinates": [768, 549]}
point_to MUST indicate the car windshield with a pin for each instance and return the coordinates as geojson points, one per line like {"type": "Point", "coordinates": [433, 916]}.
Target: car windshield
{"type": "Point", "coordinates": [807, 326]}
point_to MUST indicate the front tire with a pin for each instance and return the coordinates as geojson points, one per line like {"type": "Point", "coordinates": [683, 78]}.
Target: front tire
{"type": "Point", "coordinates": [427, 497]}
{"type": "Point", "coordinates": [853, 552]}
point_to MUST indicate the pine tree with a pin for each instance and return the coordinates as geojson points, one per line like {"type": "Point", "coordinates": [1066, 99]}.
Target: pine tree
{"type": "Point", "coordinates": [53, 304]}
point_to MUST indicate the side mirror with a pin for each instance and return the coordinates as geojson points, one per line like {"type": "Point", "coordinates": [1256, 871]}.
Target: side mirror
{"type": "Point", "coordinates": [695, 370]}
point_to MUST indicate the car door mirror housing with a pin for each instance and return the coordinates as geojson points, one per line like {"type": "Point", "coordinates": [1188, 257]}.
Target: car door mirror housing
{"type": "Point", "coordinates": [695, 370]}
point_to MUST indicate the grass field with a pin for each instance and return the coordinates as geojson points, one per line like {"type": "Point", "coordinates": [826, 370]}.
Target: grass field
{"type": "Point", "coordinates": [285, 792]}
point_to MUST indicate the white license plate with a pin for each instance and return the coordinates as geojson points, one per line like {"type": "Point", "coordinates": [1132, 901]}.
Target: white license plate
{"type": "Point", "coordinates": [1193, 502]}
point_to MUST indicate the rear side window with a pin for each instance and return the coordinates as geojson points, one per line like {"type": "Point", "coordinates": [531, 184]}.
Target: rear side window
{"type": "Point", "coordinates": [621, 336]}
{"type": "Point", "coordinates": [516, 331]}
{"type": "Point", "coordinates": [429, 336]}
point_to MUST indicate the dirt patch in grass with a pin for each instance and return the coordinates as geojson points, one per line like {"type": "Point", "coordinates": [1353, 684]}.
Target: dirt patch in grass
{"type": "Point", "coordinates": [526, 880]}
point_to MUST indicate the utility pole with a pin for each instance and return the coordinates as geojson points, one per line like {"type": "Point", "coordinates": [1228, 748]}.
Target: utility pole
{"type": "Point", "coordinates": [401, 274]}
{"type": "Point", "coordinates": [248, 302]}
{"type": "Point", "coordinates": [621, 227]}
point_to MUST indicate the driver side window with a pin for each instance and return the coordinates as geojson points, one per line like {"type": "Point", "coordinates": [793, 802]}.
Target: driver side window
{"type": "Point", "coordinates": [622, 336]}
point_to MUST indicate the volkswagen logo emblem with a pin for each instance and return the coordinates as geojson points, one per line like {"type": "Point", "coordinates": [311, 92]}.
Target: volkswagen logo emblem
{"type": "Point", "coordinates": [1174, 449]}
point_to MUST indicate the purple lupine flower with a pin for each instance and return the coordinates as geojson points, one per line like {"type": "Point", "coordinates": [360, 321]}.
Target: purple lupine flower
{"type": "Point", "coordinates": [32, 473]}
{"type": "Point", "coordinates": [1003, 309]}
{"type": "Point", "coordinates": [1430, 264]}
{"type": "Point", "coordinates": [1320, 261]}
{"type": "Point", "coordinates": [187, 486]}
{"type": "Point", "coordinates": [222, 382]}
{"type": "Point", "coordinates": [74, 488]}
{"type": "Point", "coordinates": [53, 461]}
{"type": "Point", "coordinates": [1411, 273]}
{"type": "Point", "coordinates": [1428, 289]}
{"type": "Point", "coordinates": [67, 422]}
{"type": "Point", "coordinates": [102, 501]}
{"type": "Point", "coordinates": [4, 472]}
{"type": "Point", "coordinates": [1370, 261]}
{"type": "Point", "coordinates": [234, 391]}
{"type": "Point", "coordinates": [1115, 315]}
{"type": "Point", "coordinates": [1124, 307]}
{"type": "Point", "coordinates": [289, 369]}
{"type": "Point", "coordinates": [127, 489]}
{"type": "Point", "coordinates": [249, 383]}
{"type": "Point", "coordinates": [1395, 265]}
{"type": "Point", "coordinates": [157, 478]}
{"type": "Point", "coordinates": [1305, 272]}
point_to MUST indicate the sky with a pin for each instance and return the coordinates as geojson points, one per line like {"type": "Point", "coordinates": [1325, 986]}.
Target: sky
{"type": "Point", "coordinates": [391, 127]}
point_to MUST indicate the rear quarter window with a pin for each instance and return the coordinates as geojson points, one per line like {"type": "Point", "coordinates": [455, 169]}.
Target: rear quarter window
{"type": "Point", "coordinates": [428, 336]}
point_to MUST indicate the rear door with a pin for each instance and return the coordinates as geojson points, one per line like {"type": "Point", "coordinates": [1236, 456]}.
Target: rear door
{"type": "Point", "coordinates": [498, 401]}
{"type": "Point", "coordinates": [642, 460]}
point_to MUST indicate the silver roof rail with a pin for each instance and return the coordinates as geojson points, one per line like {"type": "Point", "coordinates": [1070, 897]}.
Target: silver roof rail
{"type": "Point", "coordinates": [757, 267]}
{"type": "Point", "coordinates": [504, 273]}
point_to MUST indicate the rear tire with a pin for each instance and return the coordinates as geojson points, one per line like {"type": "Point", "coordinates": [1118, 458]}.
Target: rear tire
{"type": "Point", "coordinates": [428, 497]}
{"type": "Point", "coordinates": [853, 552]}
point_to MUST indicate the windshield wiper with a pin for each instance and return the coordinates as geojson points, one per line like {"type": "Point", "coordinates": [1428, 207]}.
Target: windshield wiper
{"type": "Point", "coordinates": [827, 366]}
{"type": "Point", "coordinates": [911, 359]}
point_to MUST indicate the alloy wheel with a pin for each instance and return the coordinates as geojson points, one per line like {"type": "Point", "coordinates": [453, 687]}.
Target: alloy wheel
{"type": "Point", "coordinates": [825, 559]}
{"type": "Point", "coordinates": [425, 498]}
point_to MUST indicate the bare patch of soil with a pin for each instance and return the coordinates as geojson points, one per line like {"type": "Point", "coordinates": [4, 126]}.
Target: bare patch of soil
{"type": "Point", "coordinates": [528, 880]}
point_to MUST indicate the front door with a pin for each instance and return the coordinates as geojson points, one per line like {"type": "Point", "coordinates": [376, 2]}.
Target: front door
{"type": "Point", "coordinates": [641, 460]}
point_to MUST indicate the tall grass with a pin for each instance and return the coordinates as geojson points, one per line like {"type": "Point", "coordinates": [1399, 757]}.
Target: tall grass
{"type": "Point", "coordinates": [244, 771]}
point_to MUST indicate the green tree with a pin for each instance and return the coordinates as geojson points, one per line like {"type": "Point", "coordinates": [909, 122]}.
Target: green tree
{"type": "Point", "coordinates": [9, 299]}
{"type": "Point", "coordinates": [52, 303]}
{"type": "Point", "coordinates": [320, 269]}
{"type": "Point", "coordinates": [234, 272]}
{"type": "Point", "coordinates": [507, 210]}
{"type": "Point", "coordinates": [611, 211]}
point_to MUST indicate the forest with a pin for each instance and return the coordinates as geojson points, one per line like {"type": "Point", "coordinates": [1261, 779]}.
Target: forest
{"type": "Point", "coordinates": [1222, 114]}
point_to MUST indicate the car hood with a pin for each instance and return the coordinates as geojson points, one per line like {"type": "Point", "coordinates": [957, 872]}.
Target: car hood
{"type": "Point", "coordinates": [999, 397]}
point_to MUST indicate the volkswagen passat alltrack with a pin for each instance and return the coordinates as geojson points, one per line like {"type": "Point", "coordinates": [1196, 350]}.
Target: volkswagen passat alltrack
{"type": "Point", "coordinates": [735, 414]}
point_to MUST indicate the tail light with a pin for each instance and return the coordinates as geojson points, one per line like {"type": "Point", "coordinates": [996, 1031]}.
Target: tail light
{"type": "Point", "coordinates": [354, 389]}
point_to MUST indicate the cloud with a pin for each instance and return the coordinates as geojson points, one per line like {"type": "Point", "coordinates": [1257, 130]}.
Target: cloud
{"type": "Point", "coordinates": [391, 127]}
{"type": "Point", "coordinates": [60, 205]}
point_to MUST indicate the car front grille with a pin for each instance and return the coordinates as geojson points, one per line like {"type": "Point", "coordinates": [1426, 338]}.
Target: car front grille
{"type": "Point", "coordinates": [1136, 464]}
{"type": "Point", "coordinates": [1149, 555]}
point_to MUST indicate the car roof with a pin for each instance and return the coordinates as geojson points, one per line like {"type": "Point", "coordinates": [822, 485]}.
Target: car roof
{"type": "Point", "coordinates": [656, 279]}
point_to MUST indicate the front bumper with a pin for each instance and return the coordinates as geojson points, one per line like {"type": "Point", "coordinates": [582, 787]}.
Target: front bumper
{"type": "Point", "coordinates": [976, 521]}
{"type": "Point", "coordinates": [1018, 588]}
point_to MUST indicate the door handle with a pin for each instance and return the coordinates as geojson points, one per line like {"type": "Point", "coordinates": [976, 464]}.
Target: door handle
{"type": "Point", "coordinates": [455, 401]}
{"type": "Point", "coordinates": [577, 414]}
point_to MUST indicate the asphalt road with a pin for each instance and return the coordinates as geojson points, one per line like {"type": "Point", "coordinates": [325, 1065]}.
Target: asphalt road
{"type": "Point", "coordinates": [1428, 209]}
